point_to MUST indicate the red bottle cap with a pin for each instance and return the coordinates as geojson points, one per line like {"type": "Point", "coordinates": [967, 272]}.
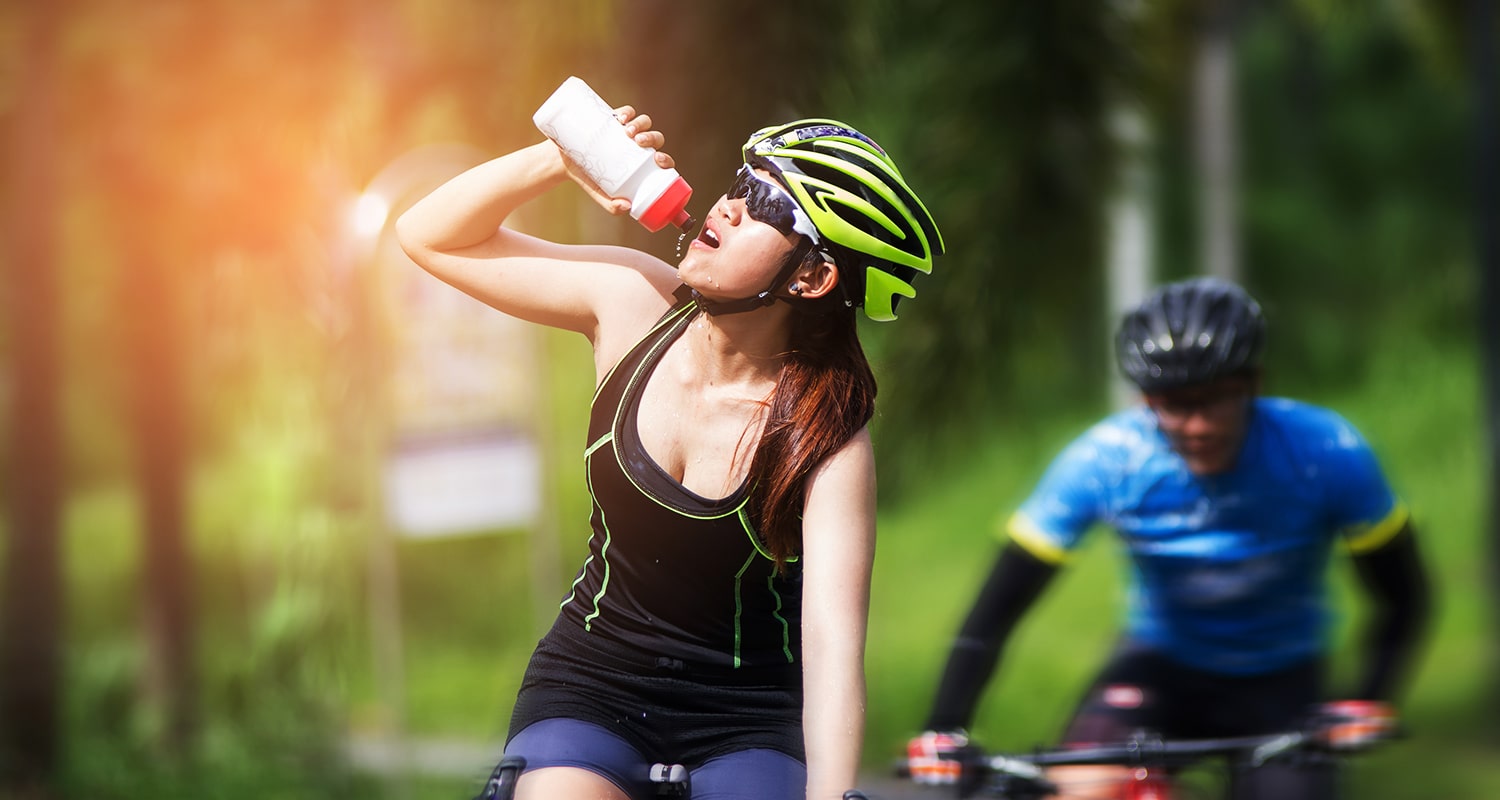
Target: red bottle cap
{"type": "Point", "coordinates": [670, 207]}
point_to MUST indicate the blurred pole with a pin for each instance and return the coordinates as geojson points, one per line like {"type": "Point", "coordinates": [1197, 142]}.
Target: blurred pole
{"type": "Point", "coordinates": [1215, 139]}
{"type": "Point", "coordinates": [30, 639]}
{"type": "Point", "coordinates": [1130, 235]}
{"type": "Point", "coordinates": [360, 429]}
{"type": "Point", "coordinates": [1487, 219]}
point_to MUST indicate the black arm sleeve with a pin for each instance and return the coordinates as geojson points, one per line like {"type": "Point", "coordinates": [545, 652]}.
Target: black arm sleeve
{"type": "Point", "coordinates": [1013, 585]}
{"type": "Point", "coordinates": [1396, 582]}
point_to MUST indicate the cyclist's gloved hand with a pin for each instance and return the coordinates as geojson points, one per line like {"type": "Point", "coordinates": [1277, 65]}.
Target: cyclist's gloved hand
{"type": "Point", "coordinates": [925, 757]}
{"type": "Point", "coordinates": [1358, 724]}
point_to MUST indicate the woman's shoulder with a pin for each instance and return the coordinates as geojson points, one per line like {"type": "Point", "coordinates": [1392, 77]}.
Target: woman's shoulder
{"type": "Point", "coordinates": [639, 306]}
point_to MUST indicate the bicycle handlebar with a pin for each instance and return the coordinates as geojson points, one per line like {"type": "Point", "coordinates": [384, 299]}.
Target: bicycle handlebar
{"type": "Point", "coordinates": [1024, 774]}
{"type": "Point", "coordinates": [1146, 748]}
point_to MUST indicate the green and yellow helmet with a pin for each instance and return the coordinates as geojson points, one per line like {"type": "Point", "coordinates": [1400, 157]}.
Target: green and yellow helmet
{"type": "Point", "coordinates": [869, 221]}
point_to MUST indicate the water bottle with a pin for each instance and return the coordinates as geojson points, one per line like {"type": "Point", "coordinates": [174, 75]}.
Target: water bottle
{"type": "Point", "coordinates": [590, 134]}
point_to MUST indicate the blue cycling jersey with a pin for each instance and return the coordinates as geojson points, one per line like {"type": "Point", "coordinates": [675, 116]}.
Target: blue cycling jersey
{"type": "Point", "coordinates": [1228, 570]}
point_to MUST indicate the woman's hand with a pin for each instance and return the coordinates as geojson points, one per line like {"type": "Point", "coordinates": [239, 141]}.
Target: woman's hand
{"type": "Point", "coordinates": [639, 128]}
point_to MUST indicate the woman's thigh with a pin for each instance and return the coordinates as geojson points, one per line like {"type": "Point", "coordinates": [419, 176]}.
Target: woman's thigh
{"type": "Point", "coordinates": [568, 759]}
{"type": "Point", "coordinates": [567, 783]}
{"type": "Point", "coordinates": [756, 774]}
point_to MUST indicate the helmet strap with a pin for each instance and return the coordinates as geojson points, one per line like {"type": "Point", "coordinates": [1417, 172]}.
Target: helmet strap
{"type": "Point", "coordinates": [715, 308]}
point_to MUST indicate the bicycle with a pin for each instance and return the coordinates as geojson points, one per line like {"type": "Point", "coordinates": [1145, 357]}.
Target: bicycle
{"type": "Point", "coordinates": [1154, 763]}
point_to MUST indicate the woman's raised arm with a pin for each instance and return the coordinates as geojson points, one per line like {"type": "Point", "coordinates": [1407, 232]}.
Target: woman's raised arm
{"type": "Point", "coordinates": [457, 233]}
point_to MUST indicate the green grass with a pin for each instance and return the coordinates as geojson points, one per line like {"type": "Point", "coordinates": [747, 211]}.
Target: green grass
{"type": "Point", "coordinates": [933, 553]}
{"type": "Point", "coordinates": [284, 646]}
{"type": "Point", "coordinates": [1421, 415]}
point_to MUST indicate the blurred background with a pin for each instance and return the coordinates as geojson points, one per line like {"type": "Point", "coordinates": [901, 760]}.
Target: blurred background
{"type": "Point", "coordinates": [284, 516]}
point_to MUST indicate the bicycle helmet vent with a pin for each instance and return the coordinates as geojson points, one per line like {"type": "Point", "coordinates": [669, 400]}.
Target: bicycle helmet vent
{"type": "Point", "coordinates": [869, 221]}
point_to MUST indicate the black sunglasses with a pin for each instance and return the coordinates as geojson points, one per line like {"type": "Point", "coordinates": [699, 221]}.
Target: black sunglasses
{"type": "Point", "coordinates": [764, 200]}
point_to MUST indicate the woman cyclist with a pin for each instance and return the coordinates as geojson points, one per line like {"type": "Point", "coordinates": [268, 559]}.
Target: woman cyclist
{"type": "Point", "coordinates": [719, 619]}
{"type": "Point", "coordinates": [1230, 506]}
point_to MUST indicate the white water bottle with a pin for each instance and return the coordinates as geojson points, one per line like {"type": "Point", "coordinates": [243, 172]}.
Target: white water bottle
{"type": "Point", "coordinates": [590, 134]}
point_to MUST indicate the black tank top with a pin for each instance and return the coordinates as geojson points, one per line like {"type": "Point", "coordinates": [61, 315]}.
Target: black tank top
{"type": "Point", "coordinates": [672, 576]}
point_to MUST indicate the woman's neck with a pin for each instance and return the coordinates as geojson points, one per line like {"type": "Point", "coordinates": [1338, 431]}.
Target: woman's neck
{"type": "Point", "coordinates": [740, 348]}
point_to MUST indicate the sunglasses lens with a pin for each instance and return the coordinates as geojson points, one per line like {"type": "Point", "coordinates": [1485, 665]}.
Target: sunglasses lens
{"type": "Point", "coordinates": [764, 201]}
{"type": "Point", "coordinates": [741, 186]}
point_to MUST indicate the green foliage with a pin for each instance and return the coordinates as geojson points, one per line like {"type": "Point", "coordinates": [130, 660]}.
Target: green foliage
{"type": "Point", "coordinates": [221, 141]}
{"type": "Point", "coordinates": [1345, 195]}
{"type": "Point", "coordinates": [1355, 216]}
{"type": "Point", "coordinates": [998, 116]}
{"type": "Point", "coordinates": [274, 633]}
{"type": "Point", "coordinates": [468, 602]}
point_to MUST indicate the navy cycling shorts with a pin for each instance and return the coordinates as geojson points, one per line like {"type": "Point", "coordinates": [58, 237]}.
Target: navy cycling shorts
{"type": "Point", "coordinates": [754, 774]}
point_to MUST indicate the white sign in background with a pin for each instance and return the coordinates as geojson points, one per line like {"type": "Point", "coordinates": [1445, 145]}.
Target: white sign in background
{"type": "Point", "coordinates": [448, 487]}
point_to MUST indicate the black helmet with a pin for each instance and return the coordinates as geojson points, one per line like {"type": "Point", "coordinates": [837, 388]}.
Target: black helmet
{"type": "Point", "coordinates": [1189, 332]}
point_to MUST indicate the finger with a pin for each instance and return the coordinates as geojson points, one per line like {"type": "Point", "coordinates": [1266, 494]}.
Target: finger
{"type": "Point", "coordinates": [650, 139]}
{"type": "Point", "coordinates": [624, 114]}
{"type": "Point", "coordinates": [638, 124]}
{"type": "Point", "coordinates": [664, 161]}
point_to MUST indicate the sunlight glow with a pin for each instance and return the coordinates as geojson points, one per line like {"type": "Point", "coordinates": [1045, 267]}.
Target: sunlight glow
{"type": "Point", "coordinates": [369, 214]}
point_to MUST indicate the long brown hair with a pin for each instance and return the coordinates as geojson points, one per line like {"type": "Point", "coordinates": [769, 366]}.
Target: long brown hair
{"type": "Point", "coordinates": [825, 394]}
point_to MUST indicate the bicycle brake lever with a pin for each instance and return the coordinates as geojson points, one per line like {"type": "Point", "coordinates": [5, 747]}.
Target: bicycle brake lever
{"type": "Point", "coordinates": [1016, 767]}
{"type": "Point", "coordinates": [1263, 753]}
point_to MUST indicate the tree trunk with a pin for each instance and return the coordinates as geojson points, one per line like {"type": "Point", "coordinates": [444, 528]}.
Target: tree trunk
{"type": "Point", "coordinates": [158, 414]}
{"type": "Point", "coordinates": [1487, 220]}
{"type": "Point", "coordinates": [31, 636]}
{"type": "Point", "coordinates": [151, 300]}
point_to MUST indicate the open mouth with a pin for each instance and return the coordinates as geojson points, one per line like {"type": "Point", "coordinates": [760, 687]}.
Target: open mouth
{"type": "Point", "coordinates": [708, 237]}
